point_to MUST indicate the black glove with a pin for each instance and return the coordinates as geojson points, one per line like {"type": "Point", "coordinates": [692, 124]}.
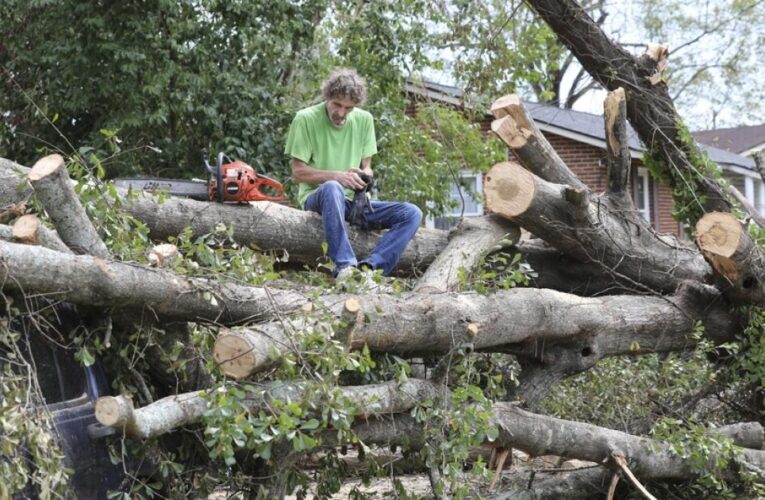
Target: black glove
{"type": "Point", "coordinates": [357, 217]}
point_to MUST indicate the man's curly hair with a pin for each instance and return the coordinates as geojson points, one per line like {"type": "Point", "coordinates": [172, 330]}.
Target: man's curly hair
{"type": "Point", "coordinates": [345, 82]}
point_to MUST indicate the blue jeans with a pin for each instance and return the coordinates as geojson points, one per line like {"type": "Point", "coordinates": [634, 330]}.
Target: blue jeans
{"type": "Point", "coordinates": [401, 220]}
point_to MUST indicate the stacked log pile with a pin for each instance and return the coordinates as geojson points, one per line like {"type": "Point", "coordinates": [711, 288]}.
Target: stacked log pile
{"type": "Point", "coordinates": [645, 292]}
{"type": "Point", "coordinates": [607, 285]}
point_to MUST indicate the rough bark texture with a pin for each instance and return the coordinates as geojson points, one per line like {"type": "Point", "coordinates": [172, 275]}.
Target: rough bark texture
{"type": "Point", "coordinates": [54, 190]}
{"type": "Point", "coordinates": [557, 271]}
{"type": "Point", "coordinates": [263, 225]}
{"type": "Point", "coordinates": [92, 281]}
{"type": "Point", "coordinates": [470, 240]}
{"type": "Point", "coordinates": [650, 109]}
{"type": "Point", "coordinates": [599, 231]}
{"type": "Point", "coordinates": [553, 334]}
{"type": "Point", "coordinates": [172, 412]}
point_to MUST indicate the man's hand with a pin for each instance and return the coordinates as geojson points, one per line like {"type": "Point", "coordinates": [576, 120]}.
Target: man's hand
{"type": "Point", "coordinates": [351, 180]}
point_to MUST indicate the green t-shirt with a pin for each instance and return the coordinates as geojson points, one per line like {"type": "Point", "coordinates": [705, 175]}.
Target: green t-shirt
{"type": "Point", "coordinates": [314, 140]}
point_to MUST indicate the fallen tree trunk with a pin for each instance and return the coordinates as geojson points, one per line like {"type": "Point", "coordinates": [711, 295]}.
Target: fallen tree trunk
{"type": "Point", "coordinates": [91, 281]}
{"type": "Point", "coordinates": [469, 241]}
{"type": "Point", "coordinates": [596, 231]}
{"type": "Point", "coordinates": [535, 434]}
{"type": "Point", "coordinates": [649, 108]}
{"type": "Point", "coordinates": [262, 225]}
{"type": "Point", "coordinates": [172, 412]}
{"type": "Point", "coordinates": [558, 333]}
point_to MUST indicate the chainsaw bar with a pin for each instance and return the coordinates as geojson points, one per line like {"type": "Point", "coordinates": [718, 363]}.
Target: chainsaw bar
{"type": "Point", "coordinates": [196, 190]}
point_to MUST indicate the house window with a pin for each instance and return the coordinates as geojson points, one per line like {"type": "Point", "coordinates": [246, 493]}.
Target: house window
{"type": "Point", "coordinates": [473, 208]}
{"type": "Point", "coordinates": [641, 194]}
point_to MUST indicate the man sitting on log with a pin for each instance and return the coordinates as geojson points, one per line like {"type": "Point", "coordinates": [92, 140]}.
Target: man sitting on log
{"type": "Point", "coordinates": [331, 145]}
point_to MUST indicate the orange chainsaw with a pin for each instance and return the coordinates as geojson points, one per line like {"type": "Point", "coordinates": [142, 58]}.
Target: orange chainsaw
{"type": "Point", "coordinates": [235, 181]}
{"type": "Point", "coordinates": [229, 182]}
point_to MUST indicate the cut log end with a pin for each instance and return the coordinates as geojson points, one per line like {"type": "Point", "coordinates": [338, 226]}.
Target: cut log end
{"type": "Point", "coordinates": [46, 166]}
{"type": "Point", "coordinates": [718, 236]}
{"type": "Point", "coordinates": [26, 230]}
{"type": "Point", "coordinates": [510, 132]}
{"type": "Point", "coordinates": [235, 355]}
{"type": "Point", "coordinates": [114, 411]}
{"type": "Point", "coordinates": [509, 189]}
{"type": "Point", "coordinates": [502, 106]}
{"type": "Point", "coordinates": [352, 305]}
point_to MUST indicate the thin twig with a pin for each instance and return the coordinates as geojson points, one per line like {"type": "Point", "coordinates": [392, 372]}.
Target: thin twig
{"type": "Point", "coordinates": [621, 461]}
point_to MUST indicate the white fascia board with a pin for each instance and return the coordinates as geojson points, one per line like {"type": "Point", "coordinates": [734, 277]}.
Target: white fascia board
{"type": "Point", "coordinates": [739, 170]}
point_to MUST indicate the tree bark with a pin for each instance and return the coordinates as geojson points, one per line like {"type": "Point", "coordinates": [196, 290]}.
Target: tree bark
{"type": "Point", "coordinates": [649, 107]}
{"type": "Point", "coordinates": [558, 334]}
{"type": "Point", "coordinates": [263, 225]}
{"type": "Point", "coordinates": [557, 271]}
{"type": "Point", "coordinates": [648, 459]}
{"type": "Point", "coordinates": [53, 188]}
{"type": "Point", "coordinates": [730, 250]}
{"type": "Point", "coordinates": [172, 412]}
{"type": "Point", "coordinates": [469, 241]}
{"type": "Point", "coordinates": [599, 231]}
{"type": "Point", "coordinates": [544, 363]}
{"type": "Point", "coordinates": [92, 281]}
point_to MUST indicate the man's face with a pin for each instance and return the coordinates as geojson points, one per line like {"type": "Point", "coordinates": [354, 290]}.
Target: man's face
{"type": "Point", "coordinates": [338, 109]}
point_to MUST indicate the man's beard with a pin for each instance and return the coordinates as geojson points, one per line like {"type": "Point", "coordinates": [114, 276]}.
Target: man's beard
{"type": "Point", "coordinates": [337, 121]}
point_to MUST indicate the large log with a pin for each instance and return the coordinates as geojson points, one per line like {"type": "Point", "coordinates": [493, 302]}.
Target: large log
{"type": "Point", "coordinates": [596, 231]}
{"type": "Point", "coordinates": [469, 241]}
{"type": "Point", "coordinates": [730, 250]}
{"type": "Point", "coordinates": [552, 331]}
{"type": "Point", "coordinates": [650, 109]}
{"type": "Point", "coordinates": [86, 280]}
{"type": "Point", "coordinates": [263, 225]}
{"type": "Point", "coordinates": [172, 412]}
{"type": "Point", "coordinates": [649, 106]}
{"type": "Point", "coordinates": [271, 226]}
{"type": "Point", "coordinates": [533, 433]}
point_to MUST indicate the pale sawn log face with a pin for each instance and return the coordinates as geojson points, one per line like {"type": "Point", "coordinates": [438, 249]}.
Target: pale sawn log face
{"type": "Point", "coordinates": [736, 258]}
